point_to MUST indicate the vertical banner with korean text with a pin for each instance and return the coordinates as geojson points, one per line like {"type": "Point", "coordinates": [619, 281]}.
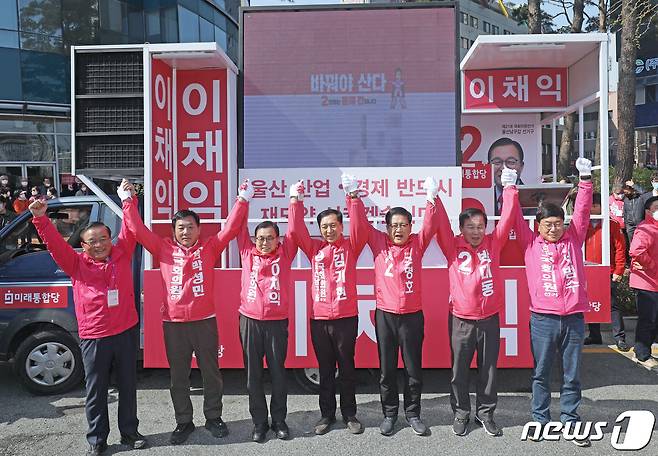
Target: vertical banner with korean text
{"type": "Point", "coordinates": [162, 150]}
{"type": "Point", "coordinates": [202, 142]}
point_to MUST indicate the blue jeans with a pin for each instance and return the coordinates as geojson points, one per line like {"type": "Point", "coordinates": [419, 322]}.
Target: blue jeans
{"type": "Point", "coordinates": [550, 335]}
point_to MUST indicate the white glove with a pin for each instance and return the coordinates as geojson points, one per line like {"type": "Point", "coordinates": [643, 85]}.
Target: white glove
{"type": "Point", "coordinates": [246, 190]}
{"type": "Point", "coordinates": [432, 187]}
{"type": "Point", "coordinates": [124, 194]}
{"type": "Point", "coordinates": [350, 183]}
{"type": "Point", "coordinates": [297, 190]}
{"type": "Point", "coordinates": [508, 177]}
{"type": "Point", "coordinates": [584, 167]}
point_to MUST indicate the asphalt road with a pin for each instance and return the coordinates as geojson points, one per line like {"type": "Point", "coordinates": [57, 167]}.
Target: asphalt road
{"type": "Point", "coordinates": [56, 425]}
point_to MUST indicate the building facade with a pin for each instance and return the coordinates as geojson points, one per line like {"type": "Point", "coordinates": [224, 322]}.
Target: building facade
{"type": "Point", "coordinates": [35, 41]}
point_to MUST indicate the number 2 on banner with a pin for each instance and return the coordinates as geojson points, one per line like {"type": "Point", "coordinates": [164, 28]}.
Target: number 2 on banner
{"type": "Point", "coordinates": [475, 174]}
{"type": "Point", "coordinates": [476, 140]}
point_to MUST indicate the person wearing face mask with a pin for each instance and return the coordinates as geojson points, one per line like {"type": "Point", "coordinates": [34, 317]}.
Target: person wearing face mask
{"type": "Point", "coordinates": [69, 190]}
{"type": "Point", "coordinates": [104, 298]}
{"type": "Point", "coordinates": [334, 313]}
{"type": "Point", "coordinates": [264, 300]}
{"type": "Point", "coordinates": [558, 299]}
{"type": "Point", "coordinates": [5, 188]}
{"type": "Point", "coordinates": [475, 302]}
{"type": "Point", "coordinates": [21, 202]}
{"type": "Point", "coordinates": [35, 195]}
{"type": "Point", "coordinates": [188, 313]}
{"type": "Point", "coordinates": [617, 205]}
{"type": "Point", "coordinates": [46, 184]}
{"type": "Point", "coordinates": [631, 205]}
{"type": "Point", "coordinates": [399, 321]}
{"type": "Point", "coordinates": [644, 280]}
{"type": "Point", "coordinates": [24, 187]}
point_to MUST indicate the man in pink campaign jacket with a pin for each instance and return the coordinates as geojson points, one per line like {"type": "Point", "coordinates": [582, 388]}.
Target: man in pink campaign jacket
{"type": "Point", "coordinates": [264, 322]}
{"type": "Point", "coordinates": [476, 298]}
{"type": "Point", "coordinates": [644, 279]}
{"type": "Point", "coordinates": [558, 299]}
{"type": "Point", "coordinates": [107, 321]}
{"type": "Point", "coordinates": [188, 312]}
{"type": "Point", "coordinates": [334, 315]}
{"type": "Point", "coordinates": [399, 321]}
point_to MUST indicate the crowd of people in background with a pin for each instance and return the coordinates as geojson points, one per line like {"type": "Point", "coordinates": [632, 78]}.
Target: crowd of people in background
{"type": "Point", "coordinates": [16, 193]}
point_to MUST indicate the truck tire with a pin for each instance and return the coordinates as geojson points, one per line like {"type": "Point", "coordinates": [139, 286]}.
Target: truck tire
{"type": "Point", "coordinates": [49, 362]}
{"type": "Point", "coordinates": [309, 379]}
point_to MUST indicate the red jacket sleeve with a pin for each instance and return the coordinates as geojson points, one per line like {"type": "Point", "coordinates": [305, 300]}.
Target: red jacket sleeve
{"type": "Point", "coordinates": [244, 240]}
{"type": "Point", "coordinates": [298, 231]}
{"type": "Point", "coordinates": [151, 242]}
{"type": "Point", "coordinates": [618, 248]}
{"type": "Point", "coordinates": [431, 223]}
{"type": "Point", "coordinates": [445, 237]}
{"type": "Point", "coordinates": [126, 240]}
{"type": "Point", "coordinates": [59, 249]}
{"type": "Point", "coordinates": [640, 249]}
{"type": "Point", "coordinates": [234, 222]}
{"type": "Point", "coordinates": [507, 216]}
{"type": "Point", "coordinates": [289, 245]}
{"type": "Point", "coordinates": [581, 211]}
{"type": "Point", "coordinates": [359, 224]}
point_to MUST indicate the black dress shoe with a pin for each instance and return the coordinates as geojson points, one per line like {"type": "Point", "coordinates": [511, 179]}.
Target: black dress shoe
{"type": "Point", "coordinates": [281, 430]}
{"type": "Point", "coordinates": [95, 450]}
{"type": "Point", "coordinates": [181, 433]}
{"type": "Point", "coordinates": [136, 441]}
{"type": "Point", "coordinates": [589, 340]}
{"type": "Point", "coordinates": [260, 432]}
{"type": "Point", "coordinates": [217, 427]}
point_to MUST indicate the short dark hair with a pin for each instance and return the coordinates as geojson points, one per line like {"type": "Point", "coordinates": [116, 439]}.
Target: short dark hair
{"type": "Point", "coordinates": [504, 141]}
{"type": "Point", "coordinates": [470, 212]}
{"type": "Point", "coordinates": [183, 213]}
{"type": "Point", "coordinates": [596, 198]}
{"type": "Point", "coordinates": [267, 224]}
{"type": "Point", "coordinates": [93, 225]}
{"type": "Point", "coordinates": [546, 210]}
{"type": "Point", "coordinates": [327, 212]}
{"type": "Point", "coordinates": [649, 202]}
{"type": "Point", "coordinates": [397, 211]}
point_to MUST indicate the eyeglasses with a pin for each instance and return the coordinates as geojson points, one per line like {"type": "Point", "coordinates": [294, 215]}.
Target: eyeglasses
{"type": "Point", "coordinates": [93, 242]}
{"type": "Point", "coordinates": [510, 162]}
{"type": "Point", "coordinates": [550, 226]}
{"type": "Point", "coordinates": [264, 239]}
{"type": "Point", "coordinates": [396, 226]}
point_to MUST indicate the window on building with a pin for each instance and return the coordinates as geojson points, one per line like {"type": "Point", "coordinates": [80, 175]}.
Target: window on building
{"type": "Point", "coordinates": [8, 39]}
{"type": "Point", "coordinates": [169, 25]}
{"type": "Point", "coordinates": [465, 43]}
{"type": "Point", "coordinates": [486, 27]}
{"type": "Point", "coordinates": [506, 32]}
{"type": "Point", "coordinates": [651, 93]}
{"type": "Point", "coordinates": [464, 17]}
{"type": "Point", "coordinates": [474, 22]}
{"type": "Point", "coordinates": [188, 26]}
{"type": "Point", "coordinates": [495, 30]}
{"type": "Point", "coordinates": [8, 15]}
{"type": "Point", "coordinates": [206, 31]}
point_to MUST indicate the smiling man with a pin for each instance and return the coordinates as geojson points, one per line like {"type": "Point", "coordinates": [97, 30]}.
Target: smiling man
{"type": "Point", "coordinates": [107, 321]}
{"type": "Point", "coordinates": [188, 312]}
{"type": "Point", "coordinates": [399, 321]}
{"type": "Point", "coordinates": [476, 299]}
{"type": "Point", "coordinates": [504, 153]}
{"type": "Point", "coordinates": [334, 313]}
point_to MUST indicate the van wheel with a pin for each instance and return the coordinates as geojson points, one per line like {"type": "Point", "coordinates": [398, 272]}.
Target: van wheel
{"type": "Point", "coordinates": [49, 362]}
{"type": "Point", "coordinates": [309, 379]}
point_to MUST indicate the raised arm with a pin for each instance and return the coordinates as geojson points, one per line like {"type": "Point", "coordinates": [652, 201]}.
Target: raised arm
{"type": "Point", "coordinates": [133, 222]}
{"type": "Point", "coordinates": [59, 249]}
{"type": "Point", "coordinates": [508, 214]}
{"type": "Point", "coordinates": [581, 212]}
{"type": "Point", "coordinates": [297, 228]}
{"type": "Point", "coordinates": [234, 222]}
{"type": "Point", "coordinates": [445, 237]}
{"type": "Point", "coordinates": [359, 224]}
{"type": "Point", "coordinates": [432, 219]}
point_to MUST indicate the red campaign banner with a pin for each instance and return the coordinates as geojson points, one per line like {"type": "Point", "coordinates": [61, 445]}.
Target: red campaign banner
{"type": "Point", "coordinates": [34, 297]}
{"type": "Point", "coordinates": [162, 154]}
{"type": "Point", "coordinates": [515, 88]}
{"type": "Point", "coordinates": [515, 336]}
{"type": "Point", "coordinates": [475, 174]}
{"type": "Point", "coordinates": [201, 122]}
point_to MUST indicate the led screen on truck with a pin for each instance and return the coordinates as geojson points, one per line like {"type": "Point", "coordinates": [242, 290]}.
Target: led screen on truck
{"type": "Point", "coordinates": [357, 88]}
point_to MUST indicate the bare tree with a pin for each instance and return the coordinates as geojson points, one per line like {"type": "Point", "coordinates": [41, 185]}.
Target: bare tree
{"type": "Point", "coordinates": [534, 16]}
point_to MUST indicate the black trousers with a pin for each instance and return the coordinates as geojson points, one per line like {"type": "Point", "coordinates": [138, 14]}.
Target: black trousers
{"type": "Point", "coordinates": [98, 355]}
{"type": "Point", "coordinates": [269, 339]}
{"type": "Point", "coordinates": [405, 333]}
{"type": "Point", "coordinates": [616, 317]}
{"type": "Point", "coordinates": [467, 337]}
{"type": "Point", "coordinates": [333, 342]}
{"type": "Point", "coordinates": [647, 323]}
{"type": "Point", "coordinates": [181, 340]}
